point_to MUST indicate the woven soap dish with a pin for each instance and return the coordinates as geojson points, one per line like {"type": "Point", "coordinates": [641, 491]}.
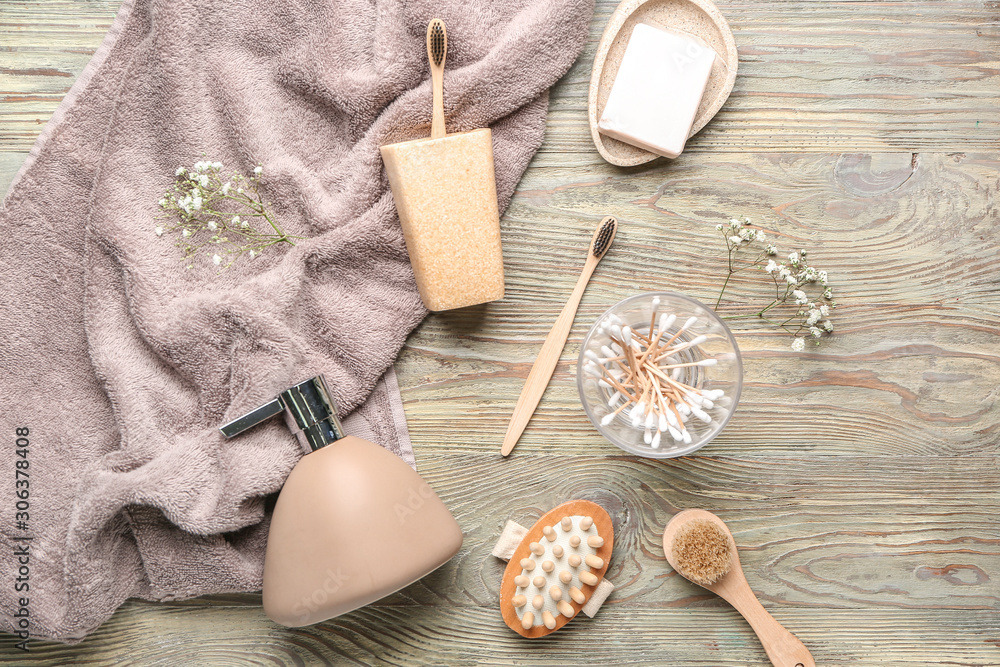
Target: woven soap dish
{"type": "Point", "coordinates": [700, 18]}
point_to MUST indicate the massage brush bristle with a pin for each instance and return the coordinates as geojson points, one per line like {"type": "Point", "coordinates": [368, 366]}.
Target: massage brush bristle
{"type": "Point", "coordinates": [702, 551]}
{"type": "Point", "coordinates": [568, 556]}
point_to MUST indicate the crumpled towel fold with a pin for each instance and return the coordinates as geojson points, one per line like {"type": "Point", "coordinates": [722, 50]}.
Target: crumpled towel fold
{"type": "Point", "coordinates": [122, 364]}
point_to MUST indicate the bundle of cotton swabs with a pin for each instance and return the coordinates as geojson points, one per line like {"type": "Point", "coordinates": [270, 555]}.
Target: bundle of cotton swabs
{"type": "Point", "coordinates": [643, 374]}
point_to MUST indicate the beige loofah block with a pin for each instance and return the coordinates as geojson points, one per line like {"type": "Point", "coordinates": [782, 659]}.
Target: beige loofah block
{"type": "Point", "coordinates": [511, 536]}
{"type": "Point", "coordinates": [446, 197]}
{"type": "Point", "coordinates": [601, 593]}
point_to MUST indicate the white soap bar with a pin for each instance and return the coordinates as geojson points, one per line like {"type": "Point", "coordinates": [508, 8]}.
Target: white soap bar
{"type": "Point", "coordinates": [657, 91]}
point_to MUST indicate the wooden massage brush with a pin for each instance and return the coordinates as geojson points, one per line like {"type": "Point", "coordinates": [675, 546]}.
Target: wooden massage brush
{"type": "Point", "coordinates": [700, 547]}
{"type": "Point", "coordinates": [555, 569]}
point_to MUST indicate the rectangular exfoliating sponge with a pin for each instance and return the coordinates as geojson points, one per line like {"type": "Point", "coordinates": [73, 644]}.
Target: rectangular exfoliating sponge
{"type": "Point", "coordinates": [445, 194]}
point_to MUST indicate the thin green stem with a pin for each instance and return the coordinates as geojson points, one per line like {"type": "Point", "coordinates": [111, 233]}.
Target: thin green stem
{"type": "Point", "coordinates": [722, 291]}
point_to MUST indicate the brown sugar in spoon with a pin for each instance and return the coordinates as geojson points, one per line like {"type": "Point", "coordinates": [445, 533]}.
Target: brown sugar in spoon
{"type": "Point", "coordinates": [700, 547]}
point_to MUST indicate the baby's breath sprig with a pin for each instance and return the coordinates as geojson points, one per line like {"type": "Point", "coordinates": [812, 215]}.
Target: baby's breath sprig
{"type": "Point", "coordinates": [218, 215]}
{"type": "Point", "coordinates": [801, 292]}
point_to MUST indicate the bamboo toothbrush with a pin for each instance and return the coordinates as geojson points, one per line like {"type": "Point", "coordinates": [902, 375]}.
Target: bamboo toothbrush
{"type": "Point", "coordinates": [700, 547]}
{"type": "Point", "coordinates": [548, 357]}
{"type": "Point", "coordinates": [437, 50]}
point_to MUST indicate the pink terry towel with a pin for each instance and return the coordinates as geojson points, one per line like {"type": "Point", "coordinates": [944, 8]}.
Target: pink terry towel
{"type": "Point", "coordinates": [120, 365]}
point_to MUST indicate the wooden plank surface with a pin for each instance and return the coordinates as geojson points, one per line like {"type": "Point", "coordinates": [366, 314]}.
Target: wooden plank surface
{"type": "Point", "coordinates": [860, 479]}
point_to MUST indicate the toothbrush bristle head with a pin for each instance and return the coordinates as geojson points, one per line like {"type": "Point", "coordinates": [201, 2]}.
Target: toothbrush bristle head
{"type": "Point", "coordinates": [437, 45]}
{"type": "Point", "coordinates": [604, 236]}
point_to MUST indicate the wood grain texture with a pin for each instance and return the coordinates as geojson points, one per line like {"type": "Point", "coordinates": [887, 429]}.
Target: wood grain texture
{"type": "Point", "coordinates": [860, 479]}
{"type": "Point", "coordinates": [847, 76]}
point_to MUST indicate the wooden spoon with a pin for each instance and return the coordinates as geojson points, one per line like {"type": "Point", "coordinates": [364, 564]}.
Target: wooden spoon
{"type": "Point", "coordinates": [782, 647]}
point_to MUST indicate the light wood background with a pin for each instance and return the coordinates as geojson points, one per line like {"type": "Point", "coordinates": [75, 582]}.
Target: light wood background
{"type": "Point", "coordinates": [860, 479]}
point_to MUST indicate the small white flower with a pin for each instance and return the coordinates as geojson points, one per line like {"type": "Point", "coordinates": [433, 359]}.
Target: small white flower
{"type": "Point", "coordinates": [180, 171]}
{"type": "Point", "coordinates": [822, 277]}
{"type": "Point", "coordinates": [825, 310]}
{"type": "Point", "coordinates": [828, 293]}
{"type": "Point", "coordinates": [783, 271]}
{"type": "Point", "coordinates": [816, 332]}
{"type": "Point", "coordinates": [791, 280]}
{"type": "Point", "coordinates": [186, 233]}
{"type": "Point", "coordinates": [211, 225]}
{"type": "Point", "coordinates": [734, 223]}
{"type": "Point", "coordinates": [244, 224]}
{"type": "Point", "coordinates": [253, 253]}
{"type": "Point", "coordinates": [810, 274]}
{"type": "Point", "coordinates": [793, 258]}
{"type": "Point", "coordinates": [203, 180]}
{"type": "Point", "coordinates": [239, 190]}
{"type": "Point", "coordinates": [771, 249]}
{"type": "Point", "coordinates": [800, 297]}
{"type": "Point", "coordinates": [196, 201]}
{"type": "Point", "coordinates": [216, 260]}
{"type": "Point", "coordinates": [162, 202]}
{"type": "Point", "coordinates": [236, 220]}
{"type": "Point", "coordinates": [761, 236]}
{"type": "Point", "coordinates": [225, 188]}
{"type": "Point", "coordinates": [718, 227]}
{"type": "Point", "coordinates": [735, 240]}
{"type": "Point", "coordinates": [216, 165]}
{"type": "Point", "coordinates": [257, 170]}
{"type": "Point", "coordinates": [159, 231]}
{"type": "Point", "coordinates": [813, 318]}
{"type": "Point", "coordinates": [827, 325]}
{"type": "Point", "coordinates": [771, 267]}
{"type": "Point", "coordinates": [798, 344]}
